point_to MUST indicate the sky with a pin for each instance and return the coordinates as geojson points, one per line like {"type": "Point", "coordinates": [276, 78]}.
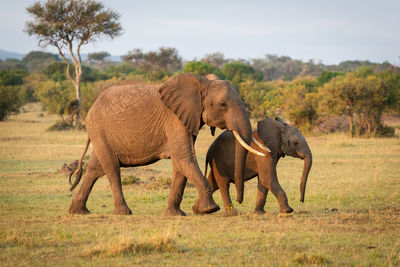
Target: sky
{"type": "Point", "coordinates": [324, 31]}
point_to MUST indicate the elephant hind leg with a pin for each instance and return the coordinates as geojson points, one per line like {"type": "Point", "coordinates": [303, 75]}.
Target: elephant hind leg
{"type": "Point", "coordinates": [222, 182]}
{"type": "Point", "coordinates": [175, 196]}
{"type": "Point", "coordinates": [93, 172]}
{"type": "Point", "coordinates": [111, 167]}
{"type": "Point", "coordinates": [211, 180]}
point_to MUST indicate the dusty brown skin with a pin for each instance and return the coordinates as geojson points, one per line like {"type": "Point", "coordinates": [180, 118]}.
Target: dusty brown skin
{"type": "Point", "coordinates": [278, 136]}
{"type": "Point", "coordinates": [135, 124]}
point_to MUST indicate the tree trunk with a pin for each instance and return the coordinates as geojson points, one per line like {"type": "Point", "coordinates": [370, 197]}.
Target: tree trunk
{"type": "Point", "coordinates": [79, 100]}
{"type": "Point", "coordinates": [76, 81]}
{"type": "Point", "coordinates": [350, 116]}
{"type": "Point", "coordinates": [78, 74]}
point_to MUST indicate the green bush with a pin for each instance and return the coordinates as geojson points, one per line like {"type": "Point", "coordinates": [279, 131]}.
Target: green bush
{"type": "Point", "coordinates": [301, 103]}
{"type": "Point", "coordinates": [131, 180]}
{"type": "Point", "coordinates": [201, 68]}
{"type": "Point", "coordinates": [60, 126]}
{"type": "Point", "coordinates": [122, 69]}
{"type": "Point", "coordinates": [262, 98]}
{"type": "Point", "coordinates": [10, 100]}
{"type": "Point", "coordinates": [385, 131]}
{"type": "Point", "coordinates": [12, 77]}
{"type": "Point", "coordinates": [56, 72]}
{"type": "Point", "coordinates": [55, 96]}
{"type": "Point", "coordinates": [238, 72]}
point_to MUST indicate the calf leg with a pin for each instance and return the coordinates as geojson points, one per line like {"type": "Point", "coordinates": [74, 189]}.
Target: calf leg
{"type": "Point", "coordinates": [222, 183]}
{"type": "Point", "coordinates": [280, 195]}
{"type": "Point", "coordinates": [269, 180]}
{"type": "Point", "coordinates": [261, 198]}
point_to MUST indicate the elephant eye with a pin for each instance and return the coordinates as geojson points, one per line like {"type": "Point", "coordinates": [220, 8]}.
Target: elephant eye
{"type": "Point", "coordinates": [223, 104]}
{"type": "Point", "coordinates": [295, 143]}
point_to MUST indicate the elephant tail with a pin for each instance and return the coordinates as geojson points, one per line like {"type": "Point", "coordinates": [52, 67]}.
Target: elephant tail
{"type": "Point", "coordinates": [210, 178]}
{"type": "Point", "coordinates": [205, 168]}
{"type": "Point", "coordinates": [78, 171]}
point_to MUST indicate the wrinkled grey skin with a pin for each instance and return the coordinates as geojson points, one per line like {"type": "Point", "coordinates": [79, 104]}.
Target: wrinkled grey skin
{"type": "Point", "coordinates": [278, 136]}
{"type": "Point", "coordinates": [136, 124]}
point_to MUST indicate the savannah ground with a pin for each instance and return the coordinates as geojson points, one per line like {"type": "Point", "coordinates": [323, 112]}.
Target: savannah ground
{"type": "Point", "coordinates": [351, 214]}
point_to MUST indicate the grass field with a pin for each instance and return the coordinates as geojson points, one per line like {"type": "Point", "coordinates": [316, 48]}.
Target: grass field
{"type": "Point", "coordinates": [351, 214]}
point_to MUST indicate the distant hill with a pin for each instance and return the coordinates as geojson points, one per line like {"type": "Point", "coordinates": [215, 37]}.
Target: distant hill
{"type": "Point", "coordinates": [8, 54]}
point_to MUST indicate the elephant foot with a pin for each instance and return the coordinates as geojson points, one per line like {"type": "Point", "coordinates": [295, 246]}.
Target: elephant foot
{"type": "Point", "coordinates": [259, 211]}
{"type": "Point", "coordinates": [122, 210]}
{"type": "Point", "coordinates": [286, 210]}
{"type": "Point", "coordinates": [205, 206]}
{"type": "Point", "coordinates": [231, 211]}
{"type": "Point", "coordinates": [172, 211]}
{"type": "Point", "coordinates": [78, 210]}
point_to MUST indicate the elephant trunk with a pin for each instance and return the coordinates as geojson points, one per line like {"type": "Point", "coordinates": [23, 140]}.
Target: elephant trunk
{"type": "Point", "coordinates": [243, 128]}
{"type": "Point", "coordinates": [306, 171]}
{"type": "Point", "coordinates": [240, 164]}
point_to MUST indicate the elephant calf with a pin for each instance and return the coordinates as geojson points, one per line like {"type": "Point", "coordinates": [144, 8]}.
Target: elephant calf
{"type": "Point", "coordinates": [282, 139]}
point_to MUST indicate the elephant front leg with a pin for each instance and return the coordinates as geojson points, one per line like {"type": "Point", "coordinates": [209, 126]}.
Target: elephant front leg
{"type": "Point", "coordinates": [205, 204]}
{"type": "Point", "coordinates": [269, 180]}
{"type": "Point", "coordinates": [184, 160]}
{"type": "Point", "coordinates": [262, 193]}
{"type": "Point", "coordinates": [175, 195]}
{"type": "Point", "coordinates": [280, 196]}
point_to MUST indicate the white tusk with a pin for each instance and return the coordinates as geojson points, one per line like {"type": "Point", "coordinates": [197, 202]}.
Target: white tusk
{"type": "Point", "coordinates": [243, 143]}
{"type": "Point", "coordinates": [261, 145]}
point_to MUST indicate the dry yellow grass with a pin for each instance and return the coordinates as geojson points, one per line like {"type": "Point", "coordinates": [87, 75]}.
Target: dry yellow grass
{"type": "Point", "coordinates": [351, 214]}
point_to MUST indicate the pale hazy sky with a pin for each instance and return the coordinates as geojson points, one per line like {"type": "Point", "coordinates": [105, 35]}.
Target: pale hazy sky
{"type": "Point", "coordinates": [327, 31]}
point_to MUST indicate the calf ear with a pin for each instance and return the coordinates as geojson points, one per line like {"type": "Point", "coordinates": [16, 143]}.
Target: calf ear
{"type": "Point", "coordinates": [269, 131]}
{"type": "Point", "coordinates": [281, 121]}
{"type": "Point", "coordinates": [182, 95]}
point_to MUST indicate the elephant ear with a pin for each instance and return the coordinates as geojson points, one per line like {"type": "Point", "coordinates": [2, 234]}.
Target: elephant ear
{"type": "Point", "coordinates": [281, 121]}
{"type": "Point", "coordinates": [182, 95]}
{"type": "Point", "coordinates": [269, 131]}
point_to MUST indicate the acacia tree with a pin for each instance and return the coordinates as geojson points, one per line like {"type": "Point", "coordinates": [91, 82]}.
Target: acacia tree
{"type": "Point", "coordinates": [340, 96]}
{"type": "Point", "coordinates": [98, 58]}
{"type": "Point", "coordinates": [68, 25]}
{"type": "Point", "coordinates": [364, 94]}
{"type": "Point", "coordinates": [155, 64]}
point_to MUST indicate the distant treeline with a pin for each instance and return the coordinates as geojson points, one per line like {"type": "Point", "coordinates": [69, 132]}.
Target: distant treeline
{"type": "Point", "coordinates": [305, 93]}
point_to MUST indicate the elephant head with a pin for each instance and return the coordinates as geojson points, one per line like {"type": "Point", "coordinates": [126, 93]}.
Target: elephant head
{"type": "Point", "coordinates": [284, 139]}
{"type": "Point", "coordinates": [196, 101]}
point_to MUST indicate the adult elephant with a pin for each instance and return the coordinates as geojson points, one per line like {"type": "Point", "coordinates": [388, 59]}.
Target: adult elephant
{"type": "Point", "coordinates": [282, 139]}
{"type": "Point", "coordinates": [136, 124]}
